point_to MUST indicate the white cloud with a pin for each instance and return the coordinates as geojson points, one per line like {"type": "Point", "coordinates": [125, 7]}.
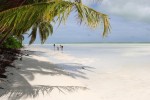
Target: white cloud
{"type": "Point", "coordinates": [131, 9]}
{"type": "Point", "coordinates": [90, 2]}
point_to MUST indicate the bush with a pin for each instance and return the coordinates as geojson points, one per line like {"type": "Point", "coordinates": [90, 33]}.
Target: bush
{"type": "Point", "coordinates": [12, 43]}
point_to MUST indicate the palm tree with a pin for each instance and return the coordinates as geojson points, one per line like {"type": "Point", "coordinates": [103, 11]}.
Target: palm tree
{"type": "Point", "coordinates": [18, 16]}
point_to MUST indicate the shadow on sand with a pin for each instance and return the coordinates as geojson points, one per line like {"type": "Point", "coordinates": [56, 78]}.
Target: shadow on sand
{"type": "Point", "coordinates": [17, 86]}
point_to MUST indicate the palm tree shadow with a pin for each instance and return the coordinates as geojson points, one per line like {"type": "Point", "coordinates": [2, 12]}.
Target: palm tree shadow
{"type": "Point", "coordinates": [17, 86]}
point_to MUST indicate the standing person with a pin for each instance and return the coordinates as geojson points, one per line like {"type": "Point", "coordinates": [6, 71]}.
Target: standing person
{"type": "Point", "coordinates": [62, 48]}
{"type": "Point", "coordinates": [54, 46]}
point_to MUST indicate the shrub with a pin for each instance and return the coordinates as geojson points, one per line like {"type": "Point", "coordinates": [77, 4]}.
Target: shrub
{"type": "Point", "coordinates": [12, 43]}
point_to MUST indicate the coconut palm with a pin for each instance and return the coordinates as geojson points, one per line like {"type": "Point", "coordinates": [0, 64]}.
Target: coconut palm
{"type": "Point", "coordinates": [18, 16]}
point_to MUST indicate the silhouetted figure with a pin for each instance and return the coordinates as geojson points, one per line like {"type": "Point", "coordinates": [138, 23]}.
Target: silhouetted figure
{"type": "Point", "coordinates": [62, 48]}
{"type": "Point", "coordinates": [54, 46]}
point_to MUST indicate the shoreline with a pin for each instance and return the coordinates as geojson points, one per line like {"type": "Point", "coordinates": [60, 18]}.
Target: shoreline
{"type": "Point", "coordinates": [92, 43]}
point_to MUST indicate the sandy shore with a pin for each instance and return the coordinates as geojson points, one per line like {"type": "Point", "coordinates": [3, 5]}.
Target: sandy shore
{"type": "Point", "coordinates": [37, 78]}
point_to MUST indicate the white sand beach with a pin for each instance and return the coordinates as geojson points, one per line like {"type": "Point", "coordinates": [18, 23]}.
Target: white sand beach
{"type": "Point", "coordinates": [80, 72]}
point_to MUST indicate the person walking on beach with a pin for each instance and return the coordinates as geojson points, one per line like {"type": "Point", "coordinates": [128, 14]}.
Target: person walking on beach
{"type": "Point", "coordinates": [62, 48]}
{"type": "Point", "coordinates": [54, 45]}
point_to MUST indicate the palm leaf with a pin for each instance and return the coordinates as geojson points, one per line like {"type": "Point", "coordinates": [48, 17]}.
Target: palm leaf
{"type": "Point", "coordinates": [33, 34]}
{"type": "Point", "coordinates": [22, 18]}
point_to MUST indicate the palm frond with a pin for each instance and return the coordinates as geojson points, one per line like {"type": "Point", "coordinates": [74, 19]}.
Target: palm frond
{"type": "Point", "coordinates": [22, 18]}
{"type": "Point", "coordinates": [33, 34]}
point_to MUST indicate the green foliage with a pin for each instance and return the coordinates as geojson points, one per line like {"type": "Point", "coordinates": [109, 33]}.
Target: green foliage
{"type": "Point", "coordinates": [40, 14]}
{"type": "Point", "coordinates": [12, 43]}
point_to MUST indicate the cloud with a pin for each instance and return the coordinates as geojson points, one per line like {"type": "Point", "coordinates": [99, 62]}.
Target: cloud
{"type": "Point", "coordinates": [131, 9]}
{"type": "Point", "coordinates": [91, 2]}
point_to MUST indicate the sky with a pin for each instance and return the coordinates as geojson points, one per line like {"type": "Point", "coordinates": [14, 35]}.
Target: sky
{"type": "Point", "coordinates": [129, 19]}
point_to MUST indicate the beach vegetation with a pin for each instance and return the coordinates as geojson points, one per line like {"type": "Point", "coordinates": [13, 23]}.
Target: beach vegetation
{"type": "Point", "coordinates": [19, 16]}
{"type": "Point", "coordinates": [12, 43]}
